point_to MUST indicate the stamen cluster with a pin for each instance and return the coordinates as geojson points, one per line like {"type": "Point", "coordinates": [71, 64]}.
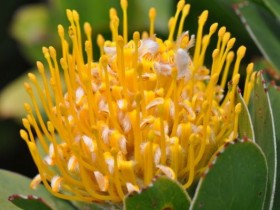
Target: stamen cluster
{"type": "Point", "coordinates": [146, 108]}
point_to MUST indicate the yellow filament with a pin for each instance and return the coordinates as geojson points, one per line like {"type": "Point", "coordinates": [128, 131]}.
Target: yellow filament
{"type": "Point", "coordinates": [104, 63]}
{"type": "Point", "coordinates": [236, 117]}
{"type": "Point", "coordinates": [34, 153]}
{"type": "Point", "coordinates": [175, 151]}
{"type": "Point", "coordinates": [115, 24]}
{"type": "Point", "coordinates": [126, 168]}
{"type": "Point", "coordinates": [221, 33]}
{"type": "Point", "coordinates": [229, 60]}
{"type": "Point", "coordinates": [247, 85]}
{"type": "Point", "coordinates": [78, 34]}
{"type": "Point", "coordinates": [190, 166]}
{"type": "Point", "coordinates": [223, 56]}
{"type": "Point", "coordinates": [124, 9]}
{"type": "Point", "coordinates": [240, 54]}
{"type": "Point", "coordinates": [205, 43]}
{"type": "Point", "coordinates": [225, 40]}
{"type": "Point", "coordinates": [136, 40]}
{"type": "Point", "coordinates": [88, 32]}
{"type": "Point", "coordinates": [202, 148]}
{"type": "Point", "coordinates": [141, 89]}
{"type": "Point", "coordinates": [35, 181]}
{"type": "Point", "coordinates": [89, 186]}
{"type": "Point", "coordinates": [180, 7]}
{"type": "Point", "coordinates": [231, 94]}
{"type": "Point", "coordinates": [45, 180]}
{"type": "Point", "coordinates": [120, 60]}
{"type": "Point", "coordinates": [148, 159]}
{"type": "Point", "coordinates": [215, 61]}
{"type": "Point", "coordinates": [59, 162]}
{"type": "Point", "coordinates": [162, 135]}
{"type": "Point", "coordinates": [185, 13]}
{"type": "Point", "coordinates": [201, 22]}
{"type": "Point", "coordinates": [152, 16]}
{"type": "Point", "coordinates": [33, 78]}
{"type": "Point", "coordinates": [117, 175]}
{"type": "Point", "coordinates": [90, 98]}
{"type": "Point", "coordinates": [75, 35]}
{"type": "Point", "coordinates": [135, 119]}
{"type": "Point", "coordinates": [37, 111]}
{"type": "Point", "coordinates": [175, 100]}
{"type": "Point", "coordinates": [41, 69]}
{"type": "Point", "coordinates": [100, 43]}
{"type": "Point", "coordinates": [60, 30]}
{"type": "Point", "coordinates": [56, 72]}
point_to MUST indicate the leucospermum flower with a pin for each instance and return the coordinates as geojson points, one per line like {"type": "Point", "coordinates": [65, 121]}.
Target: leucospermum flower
{"type": "Point", "coordinates": [146, 108]}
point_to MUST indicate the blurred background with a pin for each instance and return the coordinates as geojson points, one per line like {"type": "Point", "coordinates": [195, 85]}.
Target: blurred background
{"type": "Point", "coordinates": [27, 25]}
{"type": "Point", "coordinates": [13, 152]}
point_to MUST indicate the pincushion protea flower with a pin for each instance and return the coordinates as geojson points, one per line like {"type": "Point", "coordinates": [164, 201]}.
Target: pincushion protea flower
{"type": "Point", "coordinates": [146, 108]}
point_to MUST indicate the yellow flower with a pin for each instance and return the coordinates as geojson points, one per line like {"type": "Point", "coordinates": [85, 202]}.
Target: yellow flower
{"type": "Point", "coordinates": [146, 108]}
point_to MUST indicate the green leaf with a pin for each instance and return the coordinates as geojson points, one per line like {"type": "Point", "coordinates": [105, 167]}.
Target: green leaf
{"type": "Point", "coordinates": [97, 206]}
{"type": "Point", "coordinates": [236, 179]}
{"type": "Point", "coordinates": [12, 183]}
{"type": "Point", "coordinates": [263, 28]}
{"type": "Point", "coordinates": [245, 126]}
{"type": "Point", "coordinates": [29, 202]}
{"type": "Point", "coordinates": [31, 28]}
{"type": "Point", "coordinates": [274, 7]}
{"type": "Point", "coordinates": [263, 123]}
{"type": "Point", "coordinates": [14, 96]}
{"type": "Point", "coordinates": [163, 194]}
{"type": "Point", "coordinates": [274, 95]}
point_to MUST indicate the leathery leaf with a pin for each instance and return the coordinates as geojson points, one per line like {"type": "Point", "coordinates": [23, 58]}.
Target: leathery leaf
{"type": "Point", "coordinates": [163, 193]}
{"type": "Point", "coordinates": [263, 123]}
{"type": "Point", "coordinates": [235, 179]}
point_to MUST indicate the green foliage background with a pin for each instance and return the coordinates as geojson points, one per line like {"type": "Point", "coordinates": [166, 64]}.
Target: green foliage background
{"type": "Point", "coordinates": [27, 25]}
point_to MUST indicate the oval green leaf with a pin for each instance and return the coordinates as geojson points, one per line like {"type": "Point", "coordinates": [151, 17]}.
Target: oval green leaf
{"type": "Point", "coordinates": [263, 123]}
{"type": "Point", "coordinates": [236, 179]}
{"type": "Point", "coordinates": [164, 193]}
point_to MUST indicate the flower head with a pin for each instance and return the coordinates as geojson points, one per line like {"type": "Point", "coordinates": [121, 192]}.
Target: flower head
{"type": "Point", "coordinates": [146, 108]}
